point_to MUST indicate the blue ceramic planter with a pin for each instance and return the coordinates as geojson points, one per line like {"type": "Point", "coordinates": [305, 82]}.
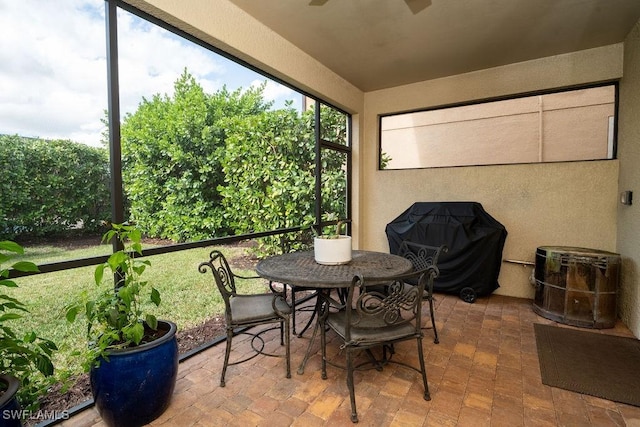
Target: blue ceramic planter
{"type": "Point", "coordinates": [9, 407]}
{"type": "Point", "coordinates": [135, 386]}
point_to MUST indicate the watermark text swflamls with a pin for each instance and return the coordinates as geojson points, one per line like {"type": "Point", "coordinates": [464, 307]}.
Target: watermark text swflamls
{"type": "Point", "coordinates": [22, 414]}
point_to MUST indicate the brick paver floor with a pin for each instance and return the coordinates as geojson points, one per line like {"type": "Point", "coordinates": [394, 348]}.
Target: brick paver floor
{"type": "Point", "coordinates": [484, 372]}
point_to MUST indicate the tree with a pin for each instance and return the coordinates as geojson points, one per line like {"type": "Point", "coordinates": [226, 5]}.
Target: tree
{"type": "Point", "coordinates": [197, 166]}
{"type": "Point", "coordinates": [172, 149]}
{"type": "Point", "coordinates": [269, 168]}
{"type": "Point", "coordinates": [269, 174]}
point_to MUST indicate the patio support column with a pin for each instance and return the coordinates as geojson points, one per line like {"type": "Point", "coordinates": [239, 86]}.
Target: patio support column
{"type": "Point", "coordinates": [115, 153]}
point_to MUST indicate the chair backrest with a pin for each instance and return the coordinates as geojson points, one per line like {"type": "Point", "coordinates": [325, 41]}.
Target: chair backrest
{"type": "Point", "coordinates": [222, 275]}
{"type": "Point", "coordinates": [368, 307]}
{"type": "Point", "coordinates": [421, 256]}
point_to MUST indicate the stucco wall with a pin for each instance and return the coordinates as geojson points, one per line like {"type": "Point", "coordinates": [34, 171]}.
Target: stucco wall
{"type": "Point", "coordinates": [629, 154]}
{"type": "Point", "coordinates": [572, 204]}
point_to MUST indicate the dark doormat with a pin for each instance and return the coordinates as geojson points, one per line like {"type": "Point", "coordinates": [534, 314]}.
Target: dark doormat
{"type": "Point", "coordinates": [590, 363]}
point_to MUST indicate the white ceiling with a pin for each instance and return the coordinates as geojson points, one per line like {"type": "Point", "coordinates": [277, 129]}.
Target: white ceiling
{"type": "Point", "coordinates": [375, 44]}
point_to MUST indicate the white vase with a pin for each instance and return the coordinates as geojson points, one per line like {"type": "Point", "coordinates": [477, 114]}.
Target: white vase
{"type": "Point", "coordinates": [332, 251]}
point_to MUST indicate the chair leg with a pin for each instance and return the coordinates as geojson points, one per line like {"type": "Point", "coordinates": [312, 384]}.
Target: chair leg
{"type": "Point", "coordinates": [323, 346]}
{"type": "Point", "coordinates": [423, 370]}
{"type": "Point", "coordinates": [293, 308]}
{"type": "Point", "coordinates": [287, 339]}
{"type": "Point", "coordinates": [227, 352]}
{"type": "Point", "coordinates": [433, 321]}
{"type": "Point", "coordinates": [282, 331]}
{"type": "Point", "coordinates": [350, 386]}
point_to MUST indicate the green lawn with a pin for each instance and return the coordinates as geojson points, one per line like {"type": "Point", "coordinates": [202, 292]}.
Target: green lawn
{"type": "Point", "coordinates": [188, 297]}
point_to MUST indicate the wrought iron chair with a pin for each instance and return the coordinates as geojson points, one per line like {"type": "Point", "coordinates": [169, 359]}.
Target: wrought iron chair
{"type": "Point", "coordinates": [422, 257]}
{"type": "Point", "coordinates": [370, 318]}
{"type": "Point", "coordinates": [244, 311]}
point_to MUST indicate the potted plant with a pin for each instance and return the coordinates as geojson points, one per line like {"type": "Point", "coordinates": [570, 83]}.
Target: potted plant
{"type": "Point", "coordinates": [25, 361]}
{"type": "Point", "coordinates": [332, 248]}
{"type": "Point", "coordinates": [132, 357]}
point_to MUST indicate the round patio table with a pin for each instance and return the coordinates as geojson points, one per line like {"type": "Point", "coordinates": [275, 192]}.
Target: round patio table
{"type": "Point", "coordinates": [301, 269]}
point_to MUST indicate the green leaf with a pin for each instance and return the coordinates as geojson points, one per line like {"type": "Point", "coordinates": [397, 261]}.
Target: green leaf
{"type": "Point", "coordinates": [113, 317]}
{"type": "Point", "coordinates": [90, 307]}
{"type": "Point", "coordinates": [106, 238]}
{"type": "Point", "coordinates": [12, 303]}
{"type": "Point", "coordinates": [136, 247]}
{"type": "Point", "coordinates": [135, 333]}
{"type": "Point", "coordinates": [151, 320]}
{"type": "Point", "coordinates": [71, 314]}
{"type": "Point", "coordinates": [8, 283]}
{"type": "Point", "coordinates": [135, 235]}
{"type": "Point", "coordinates": [44, 365]}
{"type": "Point", "coordinates": [10, 246]}
{"type": "Point", "coordinates": [9, 316]}
{"type": "Point", "coordinates": [116, 259]}
{"type": "Point", "coordinates": [126, 294]}
{"type": "Point", "coordinates": [25, 266]}
{"type": "Point", "coordinates": [99, 273]}
{"type": "Point", "coordinates": [47, 346]}
{"type": "Point", "coordinates": [139, 269]}
{"type": "Point", "coordinates": [155, 296]}
{"type": "Point", "coordinates": [29, 337]}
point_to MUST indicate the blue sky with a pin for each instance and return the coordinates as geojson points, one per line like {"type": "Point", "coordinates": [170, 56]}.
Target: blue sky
{"type": "Point", "coordinates": [53, 68]}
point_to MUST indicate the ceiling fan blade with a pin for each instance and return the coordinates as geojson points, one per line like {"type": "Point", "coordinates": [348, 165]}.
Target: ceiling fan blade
{"type": "Point", "coordinates": [414, 5]}
{"type": "Point", "coordinates": [417, 5]}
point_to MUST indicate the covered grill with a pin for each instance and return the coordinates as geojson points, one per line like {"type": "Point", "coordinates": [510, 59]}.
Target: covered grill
{"type": "Point", "coordinates": [474, 240]}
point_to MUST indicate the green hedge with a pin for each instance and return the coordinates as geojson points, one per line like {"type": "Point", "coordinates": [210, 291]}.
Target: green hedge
{"type": "Point", "coordinates": [199, 165]}
{"type": "Point", "coordinates": [51, 186]}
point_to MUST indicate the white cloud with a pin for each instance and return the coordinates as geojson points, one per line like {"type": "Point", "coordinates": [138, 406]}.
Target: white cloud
{"type": "Point", "coordinates": [50, 78]}
{"type": "Point", "coordinates": [53, 81]}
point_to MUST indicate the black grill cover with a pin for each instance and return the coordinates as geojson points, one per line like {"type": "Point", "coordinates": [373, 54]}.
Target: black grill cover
{"type": "Point", "coordinates": [473, 237]}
